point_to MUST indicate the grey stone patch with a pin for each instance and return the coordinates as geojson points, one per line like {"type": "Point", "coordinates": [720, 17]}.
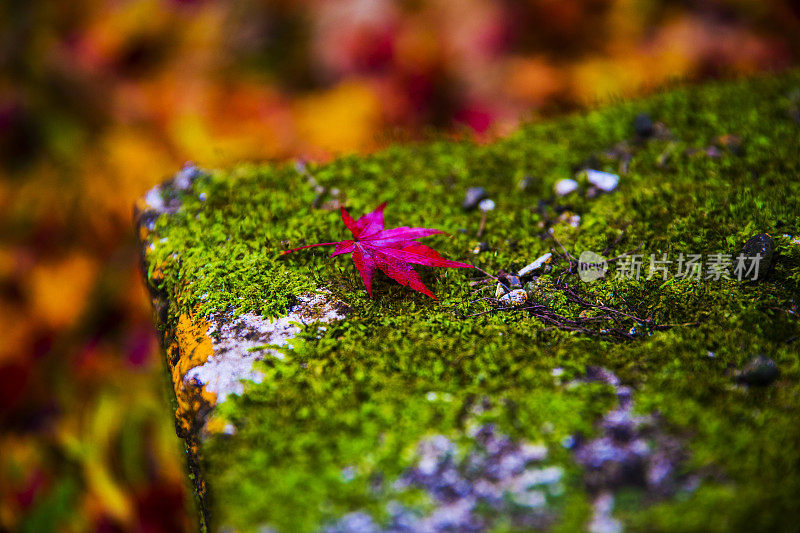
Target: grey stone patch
{"type": "Point", "coordinates": [472, 486]}
{"type": "Point", "coordinates": [496, 477]}
{"type": "Point", "coordinates": [239, 342]}
{"type": "Point", "coordinates": [631, 451]}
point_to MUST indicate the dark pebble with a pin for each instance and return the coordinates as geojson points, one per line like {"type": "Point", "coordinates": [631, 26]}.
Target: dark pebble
{"type": "Point", "coordinates": [761, 244]}
{"type": "Point", "coordinates": [643, 126]}
{"type": "Point", "coordinates": [473, 197]}
{"type": "Point", "coordinates": [760, 371]}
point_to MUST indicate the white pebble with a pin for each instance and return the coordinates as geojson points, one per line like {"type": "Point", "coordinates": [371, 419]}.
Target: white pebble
{"type": "Point", "coordinates": [602, 180]}
{"type": "Point", "coordinates": [565, 186]}
{"type": "Point", "coordinates": [536, 264]}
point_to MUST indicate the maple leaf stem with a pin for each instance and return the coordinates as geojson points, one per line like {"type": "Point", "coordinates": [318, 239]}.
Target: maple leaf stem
{"type": "Point", "coordinates": [493, 277]}
{"type": "Point", "coordinates": [284, 252]}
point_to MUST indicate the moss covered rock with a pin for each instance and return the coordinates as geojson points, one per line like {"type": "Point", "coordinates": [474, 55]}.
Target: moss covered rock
{"type": "Point", "coordinates": [306, 405]}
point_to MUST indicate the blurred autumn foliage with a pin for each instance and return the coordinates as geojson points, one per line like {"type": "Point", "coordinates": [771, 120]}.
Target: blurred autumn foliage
{"type": "Point", "coordinates": [101, 99]}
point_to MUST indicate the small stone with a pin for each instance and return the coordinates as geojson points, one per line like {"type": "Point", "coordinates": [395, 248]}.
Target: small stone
{"type": "Point", "coordinates": [763, 245]}
{"type": "Point", "coordinates": [499, 291]}
{"type": "Point", "coordinates": [513, 281]}
{"type": "Point", "coordinates": [473, 197]}
{"type": "Point", "coordinates": [536, 265]}
{"type": "Point", "coordinates": [565, 187]}
{"type": "Point", "coordinates": [604, 181]}
{"type": "Point", "coordinates": [760, 371]}
{"type": "Point", "coordinates": [643, 126]}
{"type": "Point", "coordinates": [515, 298]}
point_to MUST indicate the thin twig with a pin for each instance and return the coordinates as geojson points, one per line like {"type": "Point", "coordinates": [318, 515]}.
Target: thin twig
{"type": "Point", "coordinates": [566, 253]}
{"type": "Point", "coordinates": [492, 276]}
{"type": "Point", "coordinates": [626, 253]}
{"type": "Point", "coordinates": [616, 241]}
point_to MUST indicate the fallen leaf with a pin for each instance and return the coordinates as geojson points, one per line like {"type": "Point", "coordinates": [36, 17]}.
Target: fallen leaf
{"type": "Point", "coordinates": [394, 251]}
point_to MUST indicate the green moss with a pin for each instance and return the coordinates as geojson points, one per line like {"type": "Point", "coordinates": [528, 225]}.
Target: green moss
{"type": "Point", "coordinates": [356, 394]}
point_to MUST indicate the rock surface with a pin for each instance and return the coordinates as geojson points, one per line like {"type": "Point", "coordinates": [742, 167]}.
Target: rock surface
{"type": "Point", "coordinates": [306, 405]}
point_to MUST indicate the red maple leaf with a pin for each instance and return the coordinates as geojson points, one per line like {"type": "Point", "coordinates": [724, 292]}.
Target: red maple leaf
{"type": "Point", "coordinates": [394, 251]}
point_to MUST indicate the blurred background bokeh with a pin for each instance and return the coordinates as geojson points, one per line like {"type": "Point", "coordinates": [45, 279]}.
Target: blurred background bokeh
{"type": "Point", "coordinates": [102, 99]}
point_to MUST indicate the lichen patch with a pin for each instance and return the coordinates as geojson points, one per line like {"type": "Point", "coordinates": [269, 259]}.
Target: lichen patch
{"type": "Point", "coordinates": [238, 342]}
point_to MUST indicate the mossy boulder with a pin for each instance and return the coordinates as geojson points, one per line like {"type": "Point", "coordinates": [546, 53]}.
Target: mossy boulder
{"type": "Point", "coordinates": [306, 405]}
